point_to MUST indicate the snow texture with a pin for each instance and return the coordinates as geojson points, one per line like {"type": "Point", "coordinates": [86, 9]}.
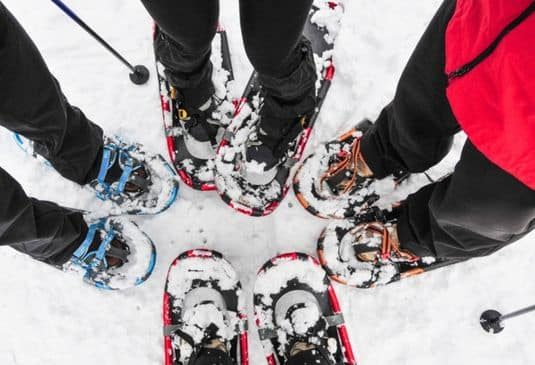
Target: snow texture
{"type": "Point", "coordinates": [49, 317]}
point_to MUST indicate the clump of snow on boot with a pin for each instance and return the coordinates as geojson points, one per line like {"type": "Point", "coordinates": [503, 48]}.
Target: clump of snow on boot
{"type": "Point", "coordinates": [286, 269]}
{"type": "Point", "coordinates": [328, 16]}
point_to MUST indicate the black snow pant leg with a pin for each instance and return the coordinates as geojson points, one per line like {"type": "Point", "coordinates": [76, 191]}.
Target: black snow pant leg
{"type": "Point", "coordinates": [415, 131]}
{"type": "Point", "coordinates": [474, 212]}
{"type": "Point", "coordinates": [32, 104]}
{"type": "Point", "coordinates": [213, 357]}
{"type": "Point", "coordinates": [309, 357]}
{"type": "Point", "coordinates": [183, 42]}
{"type": "Point", "coordinates": [41, 229]}
{"type": "Point", "coordinates": [272, 32]}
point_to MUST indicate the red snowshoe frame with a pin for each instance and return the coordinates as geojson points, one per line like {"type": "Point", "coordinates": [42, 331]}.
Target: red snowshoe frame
{"type": "Point", "coordinates": [166, 108]}
{"type": "Point", "coordinates": [349, 357]}
{"type": "Point", "coordinates": [251, 90]}
{"type": "Point", "coordinates": [167, 314]}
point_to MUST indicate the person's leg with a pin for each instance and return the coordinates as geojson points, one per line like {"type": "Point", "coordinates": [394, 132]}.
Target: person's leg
{"type": "Point", "coordinates": [32, 104]}
{"type": "Point", "coordinates": [183, 45]}
{"type": "Point", "coordinates": [474, 212]}
{"type": "Point", "coordinates": [272, 32]}
{"type": "Point", "coordinates": [414, 132]}
{"type": "Point", "coordinates": [41, 229]}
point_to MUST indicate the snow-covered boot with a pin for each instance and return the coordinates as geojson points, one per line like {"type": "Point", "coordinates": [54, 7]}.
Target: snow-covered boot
{"type": "Point", "coordinates": [195, 118]}
{"type": "Point", "coordinates": [336, 182]}
{"type": "Point", "coordinates": [202, 323]}
{"type": "Point", "coordinates": [306, 331]}
{"type": "Point", "coordinates": [365, 255]}
{"type": "Point", "coordinates": [135, 181]}
{"type": "Point", "coordinates": [270, 145]}
{"type": "Point", "coordinates": [115, 255]}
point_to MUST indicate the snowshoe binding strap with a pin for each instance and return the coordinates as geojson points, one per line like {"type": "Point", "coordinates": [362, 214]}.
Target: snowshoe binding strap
{"type": "Point", "coordinates": [197, 349]}
{"type": "Point", "coordinates": [389, 249]}
{"type": "Point", "coordinates": [375, 214]}
{"type": "Point", "coordinates": [342, 176]}
{"type": "Point", "coordinates": [193, 117]}
{"type": "Point", "coordinates": [134, 178]}
{"type": "Point", "coordinates": [95, 261]}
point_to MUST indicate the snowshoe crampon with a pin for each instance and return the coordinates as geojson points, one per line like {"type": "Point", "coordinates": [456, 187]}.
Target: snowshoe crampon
{"type": "Point", "coordinates": [195, 164]}
{"type": "Point", "coordinates": [296, 281]}
{"type": "Point", "coordinates": [203, 287]}
{"type": "Point", "coordinates": [341, 252]}
{"type": "Point", "coordinates": [259, 200]}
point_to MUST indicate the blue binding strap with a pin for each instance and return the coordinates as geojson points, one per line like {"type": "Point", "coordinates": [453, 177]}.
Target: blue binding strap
{"type": "Point", "coordinates": [91, 260]}
{"type": "Point", "coordinates": [110, 155]}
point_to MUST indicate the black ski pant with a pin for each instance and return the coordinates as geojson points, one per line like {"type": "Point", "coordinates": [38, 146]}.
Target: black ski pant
{"type": "Point", "coordinates": [479, 208]}
{"type": "Point", "coordinates": [272, 33]}
{"type": "Point", "coordinates": [217, 357]}
{"type": "Point", "coordinates": [32, 104]}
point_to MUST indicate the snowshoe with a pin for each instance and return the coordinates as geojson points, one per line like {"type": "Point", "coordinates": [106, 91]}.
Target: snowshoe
{"type": "Point", "coordinates": [296, 305]}
{"type": "Point", "coordinates": [193, 134]}
{"type": "Point", "coordinates": [136, 182]}
{"type": "Point", "coordinates": [115, 255]}
{"type": "Point", "coordinates": [204, 311]}
{"type": "Point", "coordinates": [333, 183]}
{"type": "Point", "coordinates": [365, 252]}
{"type": "Point", "coordinates": [261, 196]}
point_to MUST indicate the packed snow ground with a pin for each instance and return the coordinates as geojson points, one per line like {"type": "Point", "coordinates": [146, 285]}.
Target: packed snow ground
{"type": "Point", "coordinates": [48, 317]}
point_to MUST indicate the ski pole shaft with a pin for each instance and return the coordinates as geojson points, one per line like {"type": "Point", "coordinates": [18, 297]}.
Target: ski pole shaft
{"type": "Point", "coordinates": [492, 321]}
{"type": "Point", "coordinates": [139, 75]}
{"type": "Point", "coordinates": [517, 313]}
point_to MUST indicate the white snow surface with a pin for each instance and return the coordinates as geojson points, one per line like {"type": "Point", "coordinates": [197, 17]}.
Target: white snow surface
{"type": "Point", "coordinates": [431, 319]}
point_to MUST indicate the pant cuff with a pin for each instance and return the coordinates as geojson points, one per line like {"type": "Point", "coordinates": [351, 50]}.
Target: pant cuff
{"type": "Point", "coordinates": [295, 94]}
{"type": "Point", "coordinates": [372, 155]}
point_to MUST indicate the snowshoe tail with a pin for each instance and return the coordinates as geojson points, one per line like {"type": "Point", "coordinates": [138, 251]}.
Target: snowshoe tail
{"type": "Point", "coordinates": [283, 278]}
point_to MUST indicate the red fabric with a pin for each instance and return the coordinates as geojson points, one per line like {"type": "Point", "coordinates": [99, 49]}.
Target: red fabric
{"type": "Point", "coordinates": [495, 102]}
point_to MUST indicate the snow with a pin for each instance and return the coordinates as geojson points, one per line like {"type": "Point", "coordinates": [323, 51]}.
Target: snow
{"type": "Point", "coordinates": [49, 317]}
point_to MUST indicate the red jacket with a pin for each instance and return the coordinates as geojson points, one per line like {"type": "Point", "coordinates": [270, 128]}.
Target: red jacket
{"type": "Point", "coordinates": [494, 102]}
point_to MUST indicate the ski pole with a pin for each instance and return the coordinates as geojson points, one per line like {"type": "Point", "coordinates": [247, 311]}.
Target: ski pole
{"type": "Point", "coordinates": [492, 320]}
{"type": "Point", "coordinates": [139, 75]}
